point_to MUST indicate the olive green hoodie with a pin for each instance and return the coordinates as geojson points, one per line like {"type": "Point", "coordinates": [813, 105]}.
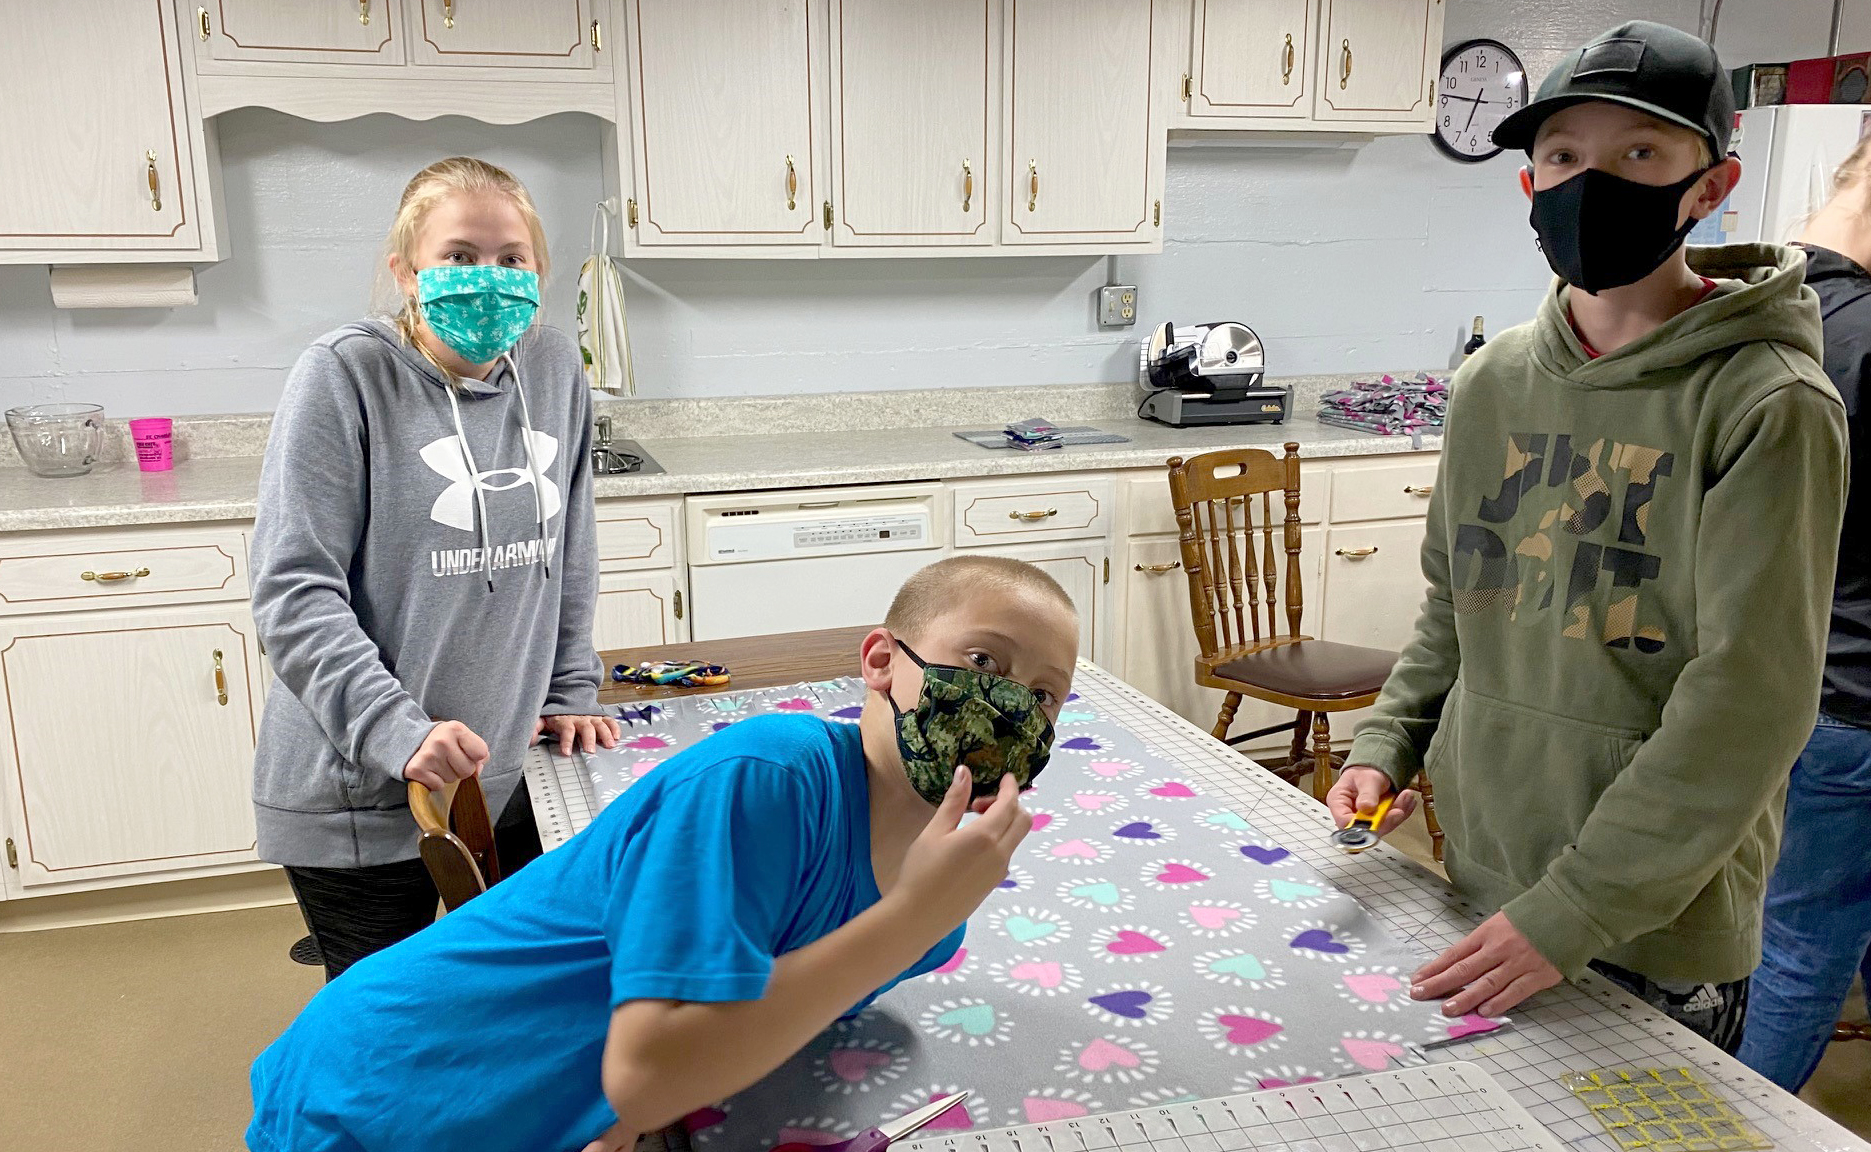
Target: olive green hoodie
{"type": "Point", "coordinates": [1630, 573]}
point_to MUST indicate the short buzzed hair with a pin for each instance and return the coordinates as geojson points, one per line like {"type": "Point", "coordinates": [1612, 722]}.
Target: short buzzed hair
{"type": "Point", "coordinates": [932, 591]}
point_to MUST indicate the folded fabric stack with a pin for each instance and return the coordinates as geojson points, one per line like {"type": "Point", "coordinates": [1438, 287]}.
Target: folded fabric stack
{"type": "Point", "coordinates": [1387, 405]}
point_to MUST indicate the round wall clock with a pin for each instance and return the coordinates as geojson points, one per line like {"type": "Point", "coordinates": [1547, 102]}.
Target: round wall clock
{"type": "Point", "coordinates": [1482, 82]}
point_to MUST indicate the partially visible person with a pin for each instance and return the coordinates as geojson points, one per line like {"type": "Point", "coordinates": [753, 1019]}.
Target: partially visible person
{"type": "Point", "coordinates": [714, 919]}
{"type": "Point", "coordinates": [1817, 932]}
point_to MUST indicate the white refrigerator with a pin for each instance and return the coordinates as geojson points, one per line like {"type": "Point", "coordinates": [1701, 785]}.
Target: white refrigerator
{"type": "Point", "coordinates": [1788, 154]}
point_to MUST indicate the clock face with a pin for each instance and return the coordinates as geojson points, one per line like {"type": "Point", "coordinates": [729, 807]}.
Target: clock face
{"type": "Point", "coordinates": [1482, 83]}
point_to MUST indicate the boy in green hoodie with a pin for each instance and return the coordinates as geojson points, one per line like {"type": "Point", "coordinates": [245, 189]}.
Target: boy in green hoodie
{"type": "Point", "coordinates": [1629, 555]}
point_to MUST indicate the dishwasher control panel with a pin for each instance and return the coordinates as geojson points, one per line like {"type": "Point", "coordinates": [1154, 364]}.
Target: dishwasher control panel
{"type": "Point", "coordinates": [793, 525]}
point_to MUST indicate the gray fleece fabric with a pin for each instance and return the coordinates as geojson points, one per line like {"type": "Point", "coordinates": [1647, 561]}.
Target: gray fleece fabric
{"type": "Point", "coordinates": [393, 582]}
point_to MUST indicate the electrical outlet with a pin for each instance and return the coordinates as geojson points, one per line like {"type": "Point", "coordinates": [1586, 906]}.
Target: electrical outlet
{"type": "Point", "coordinates": [1117, 305]}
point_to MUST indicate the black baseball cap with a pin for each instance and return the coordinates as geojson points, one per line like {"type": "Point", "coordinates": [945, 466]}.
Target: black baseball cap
{"type": "Point", "coordinates": [1653, 68]}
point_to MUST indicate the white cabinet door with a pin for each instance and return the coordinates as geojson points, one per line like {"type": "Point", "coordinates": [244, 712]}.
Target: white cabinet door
{"type": "Point", "coordinates": [1377, 59]}
{"type": "Point", "coordinates": [1083, 164]}
{"type": "Point", "coordinates": [324, 32]}
{"type": "Point", "coordinates": [636, 609]}
{"type": "Point", "coordinates": [910, 90]}
{"type": "Point", "coordinates": [94, 132]}
{"type": "Point", "coordinates": [127, 741]}
{"type": "Point", "coordinates": [1252, 58]}
{"type": "Point", "coordinates": [534, 34]}
{"type": "Point", "coordinates": [1373, 584]}
{"type": "Point", "coordinates": [1159, 638]}
{"type": "Point", "coordinates": [721, 110]}
{"type": "Point", "coordinates": [1080, 567]}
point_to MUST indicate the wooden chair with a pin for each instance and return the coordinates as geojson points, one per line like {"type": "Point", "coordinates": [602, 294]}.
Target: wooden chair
{"type": "Point", "coordinates": [1852, 1030]}
{"type": "Point", "coordinates": [1230, 574]}
{"type": "Point", "coordinates": [457, 842]}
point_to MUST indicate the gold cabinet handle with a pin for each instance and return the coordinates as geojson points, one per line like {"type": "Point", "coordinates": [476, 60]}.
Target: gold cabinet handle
{"type": "Point", "coordinates": [1418, 489]}
{"type": "Point", "coordinates": [792, 185]}
{"type": "Point", "coordinates": [828, 215]}
{"type": "Point", "coordinates": [363, 12]}
{"type": "Point", "coordinates": [1286, 61]}
{"type": "Point", "coordinates": [112, 577]}
{"type": "Point", "coordinates": [155, 186]}
{"type": "Point", "coordinates": [678, 603]}
{"type": "Point", "coordinates": [1169, 567]}
{"type": "Point", "coordinates": [597, 37]}
{"type": "Point", "coordinates": [1032, 516]}
{"type": "Point", "coordinates": [448, 13]}
{"type": "Point", "coordinates": [1344, 64]}
{"type": "Point", "coordinates": [967, 185]}
{"type": "Point", "coordinates": [201, 17]}
{"type": "Point", "coordinates": [1358, 553]}
{"type": "Point", "coordinates": [1157, 215]}
{"type": "Point", "coordinates": [1032, 185]}
{"type": "Point", "coordinates": [220, 679]}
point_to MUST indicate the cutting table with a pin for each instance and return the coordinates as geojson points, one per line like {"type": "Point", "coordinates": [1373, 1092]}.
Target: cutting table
{"type": "Point", "coordinates": [1589, 1024]}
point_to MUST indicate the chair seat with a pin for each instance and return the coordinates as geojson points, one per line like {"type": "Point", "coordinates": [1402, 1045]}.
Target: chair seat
{"type": "Point", "coordinates": [1317, 669]}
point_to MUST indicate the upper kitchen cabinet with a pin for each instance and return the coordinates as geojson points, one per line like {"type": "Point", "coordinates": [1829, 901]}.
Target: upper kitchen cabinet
{"type": "Point", "coordinates": [1251, 60]}
{"type": "Point", "coordinates": [500, 33]}
{"type": "Point", "coordinates": [321, 32]}
{"type": "Point", "coordinates": [1083, 154]}
{"type": "Point", "coordinates": [105, 161]}
{"type": "Point", "coordinates": [721, 107]}
{"type": "Point", "coordinates": [911, 96]}
{"type": "Point", "coordinates": [1378, 60]}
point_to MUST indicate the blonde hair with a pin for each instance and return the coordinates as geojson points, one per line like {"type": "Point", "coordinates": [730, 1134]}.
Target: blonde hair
{"type": "Point", "coordinates": [455, 176]}
{"type": "Point", "coordinates": [929, 593]}
{"type": "Point", "coordinates": [1854, 170]}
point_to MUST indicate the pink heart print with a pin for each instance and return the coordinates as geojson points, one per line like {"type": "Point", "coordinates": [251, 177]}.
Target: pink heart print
{"type": "Point", "coordinates": [1173, 789]}
{"type": "Point", "coordinates": [955, 961]}
{"type": "Point", "coordinates": [1040, 1109]}
{"type": "Point", "coordinates": [853, 1065]}
{"type": "Point", "coordinates": [703, 1119]}
{"type": "Point", "coordinates": [1046, 975]}
{"type": "Point", "coordinates": [1248, 1029]}
{"type": "Point", "coordinates": [808, 1137]}
{"type": "Point", "coordinates": [1091, 801]}
{"type": "Point", "coordinates": [1372, 1054]}
{"type": "Point", "coordinates": [1128, 943]}
{"type": "Point", "coordinates": [1101, 1054]}
{"type": "Point", "coordinates": [1472, 1025]}
{"type": "Point", "coordinates": [1373, 987]}
{"type": "Point", "coordinates": [1109, 768]}
{"type": "Point", "coordinates": [1075, 848]}
{"type": "Point", "coordinates": [956, 1118]}
{"type": "Point", "coordinates": [1211, 917]}
{"type": "Point", "coordinates": [1040, 820]}
{"type": "Point", "coordinates": [1180, 874]}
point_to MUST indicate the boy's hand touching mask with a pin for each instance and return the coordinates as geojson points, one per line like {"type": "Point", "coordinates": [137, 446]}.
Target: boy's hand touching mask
{"type": "Point", "coordinates": [950, 870]}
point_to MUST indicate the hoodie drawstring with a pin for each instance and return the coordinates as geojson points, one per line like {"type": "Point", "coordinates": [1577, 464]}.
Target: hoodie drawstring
{"type": "Point", "coordinates": [474, 479]}
{"type": "Point", "coordinates": [532, 464]}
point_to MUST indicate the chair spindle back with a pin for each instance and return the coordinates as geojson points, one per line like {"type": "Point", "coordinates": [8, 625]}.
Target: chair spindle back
{"type": "Point", "coordinates": [1228, 552]}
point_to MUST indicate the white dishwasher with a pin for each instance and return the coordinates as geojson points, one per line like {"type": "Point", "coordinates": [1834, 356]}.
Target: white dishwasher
{"type": "Point", "coordinates": [793, 561]}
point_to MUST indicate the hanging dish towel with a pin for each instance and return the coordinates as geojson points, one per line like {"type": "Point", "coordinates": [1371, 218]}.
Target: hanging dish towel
{"type": "Point", "coordinates": [603, 338]}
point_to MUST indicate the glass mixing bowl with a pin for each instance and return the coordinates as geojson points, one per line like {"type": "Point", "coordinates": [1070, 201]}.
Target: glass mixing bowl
{"type": "Point", "coordinates": [58, 439]}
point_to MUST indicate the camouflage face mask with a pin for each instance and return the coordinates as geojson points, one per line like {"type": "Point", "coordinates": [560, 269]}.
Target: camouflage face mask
{"type": "Point", "coordinates": [992, 724]}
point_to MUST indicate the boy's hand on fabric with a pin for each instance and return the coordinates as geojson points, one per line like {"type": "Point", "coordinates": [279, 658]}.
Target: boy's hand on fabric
{"type": "Point", "coordinates": [1362, 790]}
{"type": "Point", "coordinates": [450, 752]}
{"type": "Point", "coordinates": [949, 870]}
{"type": "Point", "coordinates": [587, 732]}
{"type": "Point", "coordinates": [1494, 968]}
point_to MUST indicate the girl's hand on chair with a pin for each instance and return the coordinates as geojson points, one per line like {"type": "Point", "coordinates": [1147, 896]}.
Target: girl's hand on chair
{"type": "Point", "coordinates": [587, 732]}
{"type": "Point", "coordinates": [450, 752]}
{"type": "Point", "coordinates": [1360, 789]}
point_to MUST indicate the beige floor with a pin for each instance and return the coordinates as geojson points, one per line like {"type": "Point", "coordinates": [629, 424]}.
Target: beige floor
{"type": "Point", "coordinates": [137, 1036]}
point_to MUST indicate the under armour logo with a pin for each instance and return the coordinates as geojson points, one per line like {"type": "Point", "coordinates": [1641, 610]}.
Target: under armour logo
{"type": "Point", "coordinates": [455, 506]}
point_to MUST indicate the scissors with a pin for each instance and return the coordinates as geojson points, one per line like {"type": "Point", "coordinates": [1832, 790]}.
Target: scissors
{"type": "Point", "coordinates": [881, 1137]}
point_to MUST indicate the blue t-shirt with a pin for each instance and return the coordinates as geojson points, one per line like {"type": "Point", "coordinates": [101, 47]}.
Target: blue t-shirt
{"type": "Point", "coordinates": [486, 1030]}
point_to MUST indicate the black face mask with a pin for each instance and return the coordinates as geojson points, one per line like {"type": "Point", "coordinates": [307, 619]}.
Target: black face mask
{"type": "Point", "coordinates": [1602, 231]}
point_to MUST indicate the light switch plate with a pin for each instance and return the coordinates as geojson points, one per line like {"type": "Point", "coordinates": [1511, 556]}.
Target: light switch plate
{"type": "Point", "coordinates": [1117, 305]}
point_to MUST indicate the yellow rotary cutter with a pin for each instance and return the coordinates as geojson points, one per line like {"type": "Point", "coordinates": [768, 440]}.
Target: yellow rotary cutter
{"type": "Point", "coordinates": [1361, 833]}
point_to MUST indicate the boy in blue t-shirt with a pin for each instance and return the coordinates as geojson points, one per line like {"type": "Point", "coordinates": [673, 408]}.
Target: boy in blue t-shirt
{"type": "Point", "coordinates": [713, 920]}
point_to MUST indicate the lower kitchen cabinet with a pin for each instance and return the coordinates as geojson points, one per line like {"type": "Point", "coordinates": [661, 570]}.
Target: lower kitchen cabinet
{"type": "Point", "coordinates": [1374, 583]}
{"type": "Point", "coordinates": [1082, 568]}
{"type": "Point", "coordinates": [127, 742]}
{"type": "Point", "coordinates": [1160, 649]}
{"type": "Point", "coordinates": [638, 608]}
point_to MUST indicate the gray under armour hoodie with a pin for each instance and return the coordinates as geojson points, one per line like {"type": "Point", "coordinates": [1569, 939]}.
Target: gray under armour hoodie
{"type": "Point", "coordinates": [420, 553]}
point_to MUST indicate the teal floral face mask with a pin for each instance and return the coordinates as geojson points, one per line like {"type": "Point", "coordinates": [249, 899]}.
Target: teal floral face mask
{"type": "Point", "coordinates": [994, 725]}
{"type": "Point", "coordinates": [479, 310]}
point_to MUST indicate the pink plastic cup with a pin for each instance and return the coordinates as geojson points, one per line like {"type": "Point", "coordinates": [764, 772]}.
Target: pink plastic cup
{"type": "Point", "coordinates": [154, 437]}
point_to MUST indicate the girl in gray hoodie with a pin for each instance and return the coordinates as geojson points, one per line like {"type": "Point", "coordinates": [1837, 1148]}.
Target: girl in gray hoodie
{"type": "Point", "coordinates": [424, 568]}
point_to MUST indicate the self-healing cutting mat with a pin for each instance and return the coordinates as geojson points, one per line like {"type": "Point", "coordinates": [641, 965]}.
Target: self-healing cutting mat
{"type": "Point", "coordinates": [1148, 945]}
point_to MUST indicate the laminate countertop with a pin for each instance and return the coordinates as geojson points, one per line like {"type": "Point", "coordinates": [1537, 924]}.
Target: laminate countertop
{"type": "Point", "coordinates": [224, 488]}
